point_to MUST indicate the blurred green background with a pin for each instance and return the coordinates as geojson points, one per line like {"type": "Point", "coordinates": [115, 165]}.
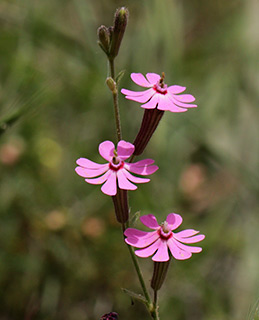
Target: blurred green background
{"type": "Point", "coordinates": [61, 249]}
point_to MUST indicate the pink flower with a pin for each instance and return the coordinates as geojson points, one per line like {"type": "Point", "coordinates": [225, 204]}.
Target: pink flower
{"type": "Point", "coordinates": [163, 238]}
{"type": "Point", "coordinates": [116, 168]}
{"type": "Point", "coordinates": [159, 95]}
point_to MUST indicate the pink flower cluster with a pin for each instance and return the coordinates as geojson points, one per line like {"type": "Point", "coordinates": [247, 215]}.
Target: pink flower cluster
{"type": "Point", "coordinates": [162, 242]}
{"type": "Point", "coordinates": [159, 95]}
{"type": "Point", "coordinates": [116, 170]}
{"type": "Point", "coordinates": [163, 238]}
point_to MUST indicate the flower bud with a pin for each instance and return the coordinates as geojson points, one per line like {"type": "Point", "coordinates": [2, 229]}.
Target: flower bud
{"type": "Point", "coordinates": [110, 316]}
{"type": "Point", "coordinates": [159, 274]}
{"type": "Point", "coordinates": [111, 85]}
{"type": "Point", "coordinates": [119, 26]}
{"type": "Point", "coordinates": [104, 38]}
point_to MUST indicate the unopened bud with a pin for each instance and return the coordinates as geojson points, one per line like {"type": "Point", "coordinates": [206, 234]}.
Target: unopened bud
{"type": "Point", "coordinates": [119, 27]}
{"type": "Point", "coordinates": [110, 30]}
{"type": "Point", "coordinates": [111, 85]}
{"type": "Point", "coordinates": [104, 38]}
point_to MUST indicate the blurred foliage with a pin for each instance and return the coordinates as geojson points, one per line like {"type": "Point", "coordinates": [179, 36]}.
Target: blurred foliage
{"type": "Point", "coordinates": [62, 254]}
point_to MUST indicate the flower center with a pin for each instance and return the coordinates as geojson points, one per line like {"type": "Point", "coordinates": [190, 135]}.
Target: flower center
{"type": "Point", "coordinates": [116, 163]}
{"type": "Point", "coordinates": [165, 231]}
{"type": "Point", "coordinates": [160, 86]}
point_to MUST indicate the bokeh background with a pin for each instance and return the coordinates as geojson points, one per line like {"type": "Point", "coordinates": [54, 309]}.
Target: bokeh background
{"type": "Point", "coordinates": [61, 249]}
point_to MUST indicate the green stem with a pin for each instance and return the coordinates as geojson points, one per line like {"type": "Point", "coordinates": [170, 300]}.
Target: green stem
{"type": "Point", "coordinates": [155, 314]}
{"type": "Point", "coordinates": [112, 69]}
{"type": "Point", "coordinates": [140, 276]}
{"type": "Point", "coordinates": [115, 102]}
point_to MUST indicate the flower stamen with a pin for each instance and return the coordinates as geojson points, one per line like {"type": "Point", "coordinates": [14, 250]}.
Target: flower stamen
{"type": "Point", "coordinates": [116, 165]}
{"type": "Point", "coordinates": [160, 86]}
{"type": "Point", "coordinates": [165, 231]}
{"type": "Point", "coordinates": [161, 81]}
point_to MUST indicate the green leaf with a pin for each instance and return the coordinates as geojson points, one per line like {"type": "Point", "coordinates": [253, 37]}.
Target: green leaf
{"type": "Point", "coordinates": [135, 296]}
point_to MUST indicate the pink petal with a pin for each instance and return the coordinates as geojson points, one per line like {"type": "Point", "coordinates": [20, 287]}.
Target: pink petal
{"type": "Point", "coordinates": [153, 78]}
{"type": "Point", "coordinates": [166, 103]}
{"type": "Point", "coordinates": [99, 180]}
{"type": "Point", "coordinates": [88, 164]}
{"type": "Point", "coordinates": [140, 80]}
{"type": "Point", "coordinates": [110, 186]}
{"type": "Point", "coordinates": [152, 103]}
{"type": "Point", "coordinates": [132, 93]}
{"type": "Point", "coordinates": [144, 253]}
{"type": "Point", "coordinates": [132, 232]}
{"type": "Point", "coordinates": [184, 98]}
{"type": "Point", "coordinates": [144, 97]}
{"type": "Point", "coordinates": [144, 162]}
{"type": "Point", "coordinates": [142, 242]}
{"type": "Point", "coordinates": [162, 252]}
{"type": "Point", "coordinates": [133, 178]}
{"type": "Point", "coordinates": [88, 173]}
{"type": "Point", "coordinates": [106, 149]}
{"type": "Point", "coordinates": [163, 103]}
{"type": "Point", "coordinates": [176, 89]}
{"type": "Point", "coordinates": [125, 149]}
{"type": "Point", "coordinates": [180, 104]}
{"type": "Point", "coordinates": [150, 221]}
{"type": "Point", "coordinates": [186, 233]}
{"type": "Point", "coordinates": [177, 252]}
{"type": "Point", "coordinates": [124, 182]}
{"type": "Point", "coordinates": [193, 239]}
{"type": "Point", "coordinates": [174, 220]}
{"type": "Point", "coordinates": [174, 108]}
{"type": "Point", "coordinates": [144, 170]}
{"type": "Point", "coordinates": [187, 248]}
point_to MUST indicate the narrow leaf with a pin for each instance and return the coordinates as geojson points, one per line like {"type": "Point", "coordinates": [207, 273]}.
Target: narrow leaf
{"type": "Point", "coordinates": [120, 76]}
{"type": "Point", "coordinates": [135, 296]}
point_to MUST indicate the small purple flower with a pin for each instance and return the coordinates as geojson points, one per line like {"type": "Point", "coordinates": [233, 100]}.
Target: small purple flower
{"type": "Point", "coordinates": [163, 238]}
{"type": "Point", "coordinates": [116, 169]}
{"type": "Point", "coordinates": [159, 95]}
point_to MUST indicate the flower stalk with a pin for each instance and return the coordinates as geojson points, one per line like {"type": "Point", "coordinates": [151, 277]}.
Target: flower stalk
{"type": "Point", "coordinates": [116, 177]}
